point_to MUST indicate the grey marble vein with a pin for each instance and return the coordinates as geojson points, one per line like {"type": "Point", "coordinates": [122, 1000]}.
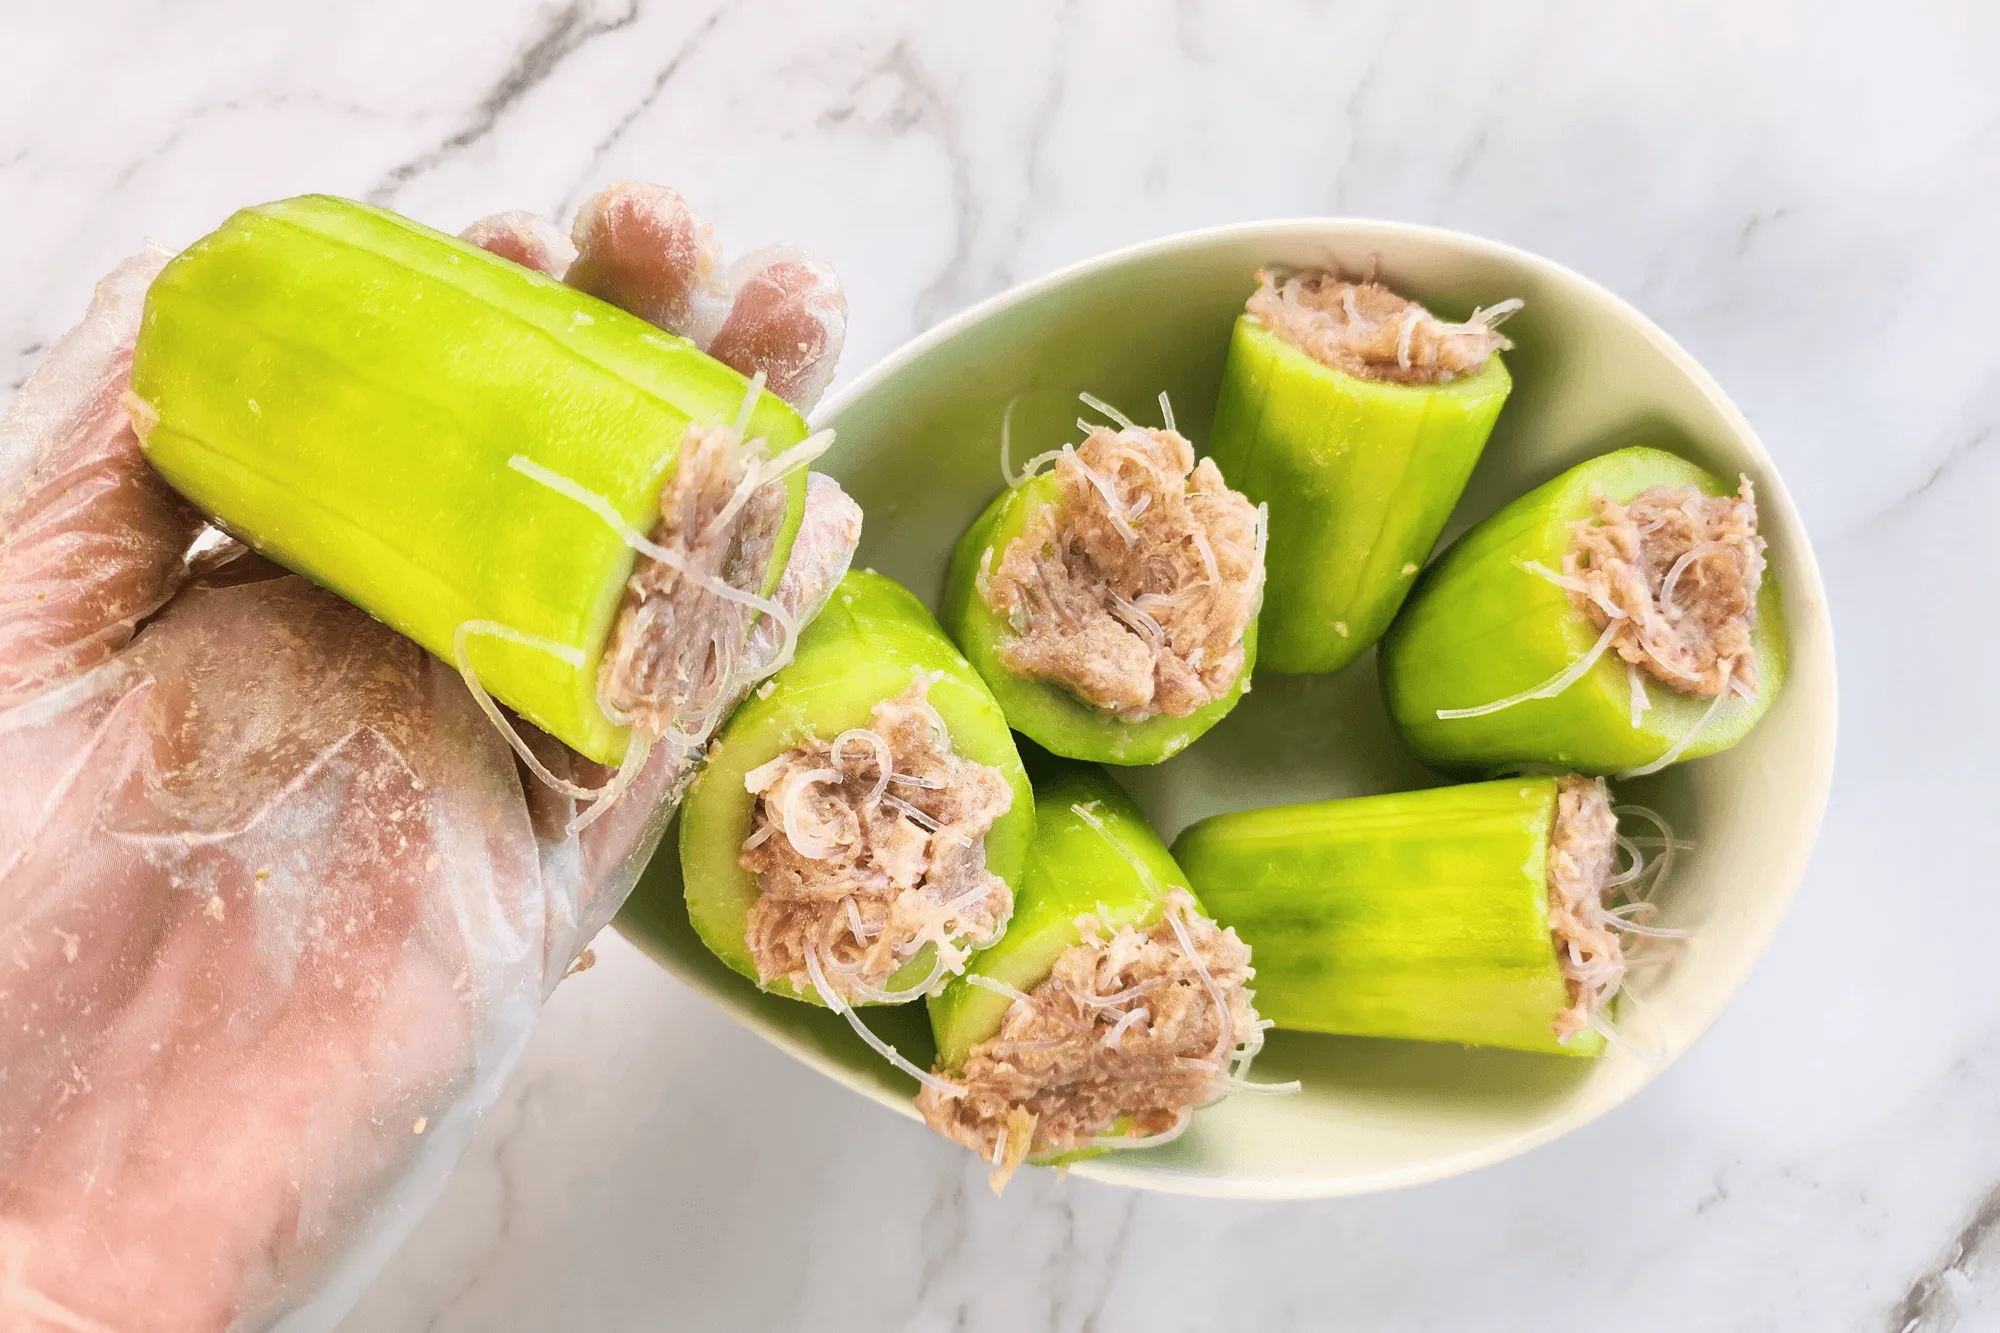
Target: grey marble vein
{"type": "Point", "coordinates": [921, 104]}
{"type": "Point", "coordinates": [1041, 124]}
{"type": "Point", "coordinates": [1351, 122]}
{"type": "Point", "coordinates": [587, 179]}
{"type": "Point", "coordinates": [194, 118]}
{"type": "Point", "coordinates": [502, 1135]}
{"type": "Point", "coordinates": [565, 32]}
{"type": "Point", "coordinates": [1930, 1305]}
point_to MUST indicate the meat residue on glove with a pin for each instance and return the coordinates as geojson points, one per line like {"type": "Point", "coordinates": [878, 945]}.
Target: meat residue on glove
{"type": "Point", "coordinates": [91, 540]}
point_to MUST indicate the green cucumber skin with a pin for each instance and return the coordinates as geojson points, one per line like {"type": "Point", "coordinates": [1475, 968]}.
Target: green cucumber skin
{"type": "Point", "coordinates": [1360, 476]}
{"type": "Point", "coordinates": [1045, 712]}
{"type": "Point", "coordinates": [1420, 915]}
{"type": "Point", "coordinates": [1480, 627]}
{"type": "Point", "coordinates": [1073, 870]}
{"type": "Point", "coordinates": [864, 648]}
{"type": "Point", "coordinates": [342, 388]}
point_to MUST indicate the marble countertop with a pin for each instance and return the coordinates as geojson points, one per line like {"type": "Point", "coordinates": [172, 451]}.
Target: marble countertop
{"type": "Point", "coordinates": [1806, 196]}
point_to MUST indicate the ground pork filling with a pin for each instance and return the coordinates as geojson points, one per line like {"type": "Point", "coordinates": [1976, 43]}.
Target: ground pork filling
{"type": "Point", "coordinates": [1582, 855]}
{"type": "Point", "coordinates": [870, 846]}
{"type": "Point", "coordinates": [675, 658]}
{"type": "Point", "coordinates": [1369, 332]}
{"type": "Point", "coordinates": [1134, 1025]}
{"type": "Point", "coordinates": [1133, 592]}
{"type": "Point", "coordinates": [1672, 578]}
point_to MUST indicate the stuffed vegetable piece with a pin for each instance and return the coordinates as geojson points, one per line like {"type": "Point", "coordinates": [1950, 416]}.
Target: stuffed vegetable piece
{"type": "Point", "coordinates": [583, 512]}
{"type": "Point", "coordinates": [1618, 619]}
{"type": "Point", "coordinates": [863, 819]}
{"type": "Point", "coordinates": [1357, 415]}
{"type": "Point", "coordinates": [1493, 914]}
{"type": "Point", "coordinates": [1113, 1009]}
{"type": "Point", "coordinates": [1111, 603]}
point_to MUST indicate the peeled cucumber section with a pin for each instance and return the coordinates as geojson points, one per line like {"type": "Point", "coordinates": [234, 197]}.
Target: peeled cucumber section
{"type": "Point", "coordinates": [1421, 915]}
{"type": "Point", "coordinates": [865, 647]}
{"type": "Point", "coordinates": [1360, 476]}
{"type": "Point", "coordinates": [1116, 870]}
{"type": "Point", "coordinates": [343, 388]}
{"type": "Point", "coordinates": [1043, 711]}
{"type": "Point", "coordinates": [1481, 627]}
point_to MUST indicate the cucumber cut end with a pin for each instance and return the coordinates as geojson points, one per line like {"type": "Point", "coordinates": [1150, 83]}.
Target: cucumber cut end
{"type": "Point", "coordinates": [1044, 710]}
{"type": "Point", "coordinates": [866, 650]}
{"type": "Point", "coordinates": [1493, 622]}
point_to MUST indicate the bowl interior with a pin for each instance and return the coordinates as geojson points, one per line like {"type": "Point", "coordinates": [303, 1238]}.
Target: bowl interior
{"type": "Point", "coordinates": [919, 447]}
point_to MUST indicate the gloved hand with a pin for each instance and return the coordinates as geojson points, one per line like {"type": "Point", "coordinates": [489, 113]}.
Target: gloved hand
{"type": "Point", "coordinates": [278, 908]}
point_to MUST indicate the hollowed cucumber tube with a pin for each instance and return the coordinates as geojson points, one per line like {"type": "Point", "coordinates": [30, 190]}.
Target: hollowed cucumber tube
{"type": "Point", "coordinates": [1113, 1009]}
{"type": "Point", "coordinates": [1422, 915]}
{"type": "Point", "coordinates": [1094, 855]}
{"type": "Point", "coordinates": [1360, 474]}
{"type": "Point", "coordinates": [800, 735]}
{"type": "Point", "coordinates": [345, 390]}
{"type": "Point", "coordinates": [1493, 639]}
{"type": "Point", "coordinates": [1045, 712]}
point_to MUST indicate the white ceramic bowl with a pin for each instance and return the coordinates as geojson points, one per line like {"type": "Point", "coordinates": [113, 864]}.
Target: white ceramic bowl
{"type": "Point", "coordinates": [919, 448]}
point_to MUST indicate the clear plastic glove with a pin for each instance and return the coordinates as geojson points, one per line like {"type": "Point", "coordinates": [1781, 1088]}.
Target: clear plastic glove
{"type": "Point", "coordinates": [277, 909]}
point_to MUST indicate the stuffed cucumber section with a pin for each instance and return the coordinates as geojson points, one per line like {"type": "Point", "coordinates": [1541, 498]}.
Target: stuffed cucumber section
{"type": "Point", "coordinates": [1423, 915]}
{"type": "Point", "coordinates": [1113, 1010]}
{"type": "Point", "coordinates": [1047, 711]}
{"type": "Point", "coordinates": [863, 819]}
{"type": "Point", "coordinates": [1094, 856]}
{"type": "Point", "coordinates": [1360, 475]}
{"type": "Point", "coordinates": [445, 438]}
{"type": "Point", "coordinates": [1616, 619]}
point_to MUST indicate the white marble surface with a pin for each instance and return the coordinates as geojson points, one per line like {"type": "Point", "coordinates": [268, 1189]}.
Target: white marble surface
{"type": "Point", "coordinates": [1806, 195]}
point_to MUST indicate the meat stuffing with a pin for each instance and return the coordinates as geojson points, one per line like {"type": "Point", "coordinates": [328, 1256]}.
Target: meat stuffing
{"type": "Point", "coordinates": [676, 658]}
{"type": "Point", "coordinates": [1582, 852]}
{"type": "Point", "coordinates": [869, 847]}
{"type": "Point", "coordinates": [680, 651]}
{"type": "Point", "coordinates": [1366, 330]}
{"type": "Point", "coordinates": [1678, 570]}
{"type": "Point", "coordinates": [1134, 591]}
{"type": "Point", "coordinates": [1131, 1032]}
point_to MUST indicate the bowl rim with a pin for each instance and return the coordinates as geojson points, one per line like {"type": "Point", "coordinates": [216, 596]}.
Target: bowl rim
{"type": "Point", "coordinates": [1811, 600]}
